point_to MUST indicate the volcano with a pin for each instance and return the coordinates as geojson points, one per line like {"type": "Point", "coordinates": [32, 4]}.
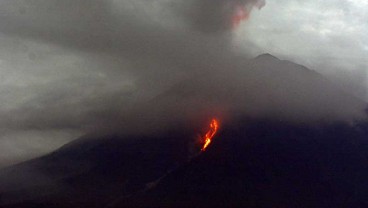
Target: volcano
{"type": "Point", "coordinates": [254, 161]}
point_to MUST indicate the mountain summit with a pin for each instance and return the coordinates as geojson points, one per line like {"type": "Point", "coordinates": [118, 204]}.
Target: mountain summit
{"type": "Point", "coordinates": [265, 87]}
{"type": "Point", "coordinates": [268, 154]}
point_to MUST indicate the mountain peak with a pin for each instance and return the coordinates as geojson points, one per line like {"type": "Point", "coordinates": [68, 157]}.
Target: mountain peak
{"type": "Point", "coordinates": [267, 56]}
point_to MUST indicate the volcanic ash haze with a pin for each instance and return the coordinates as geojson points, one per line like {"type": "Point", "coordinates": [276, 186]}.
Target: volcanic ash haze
{"type": "Point", "coordinates": [177, 57]}
{"type": "Point", "coordinates": [209, 79]}
{"type": "Point", "coordinates": [218, 16]}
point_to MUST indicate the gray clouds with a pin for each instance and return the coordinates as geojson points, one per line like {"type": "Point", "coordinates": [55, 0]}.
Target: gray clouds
{"type": "Point", "coordinates": [140, 66]}
{"type": "Point", "coordinates": [218, 16]}
{"type": "Point", "coordinates": [328, 36]}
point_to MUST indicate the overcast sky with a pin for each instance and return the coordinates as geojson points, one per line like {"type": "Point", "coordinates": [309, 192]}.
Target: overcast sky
{"type": "Point", "coordinates": [329, 36]}
{"type": "Point", "coordinates": [61, 76]}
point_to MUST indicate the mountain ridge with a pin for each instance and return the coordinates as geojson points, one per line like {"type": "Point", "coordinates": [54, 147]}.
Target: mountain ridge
{"type": "Point", "coordinates": [97, 169]}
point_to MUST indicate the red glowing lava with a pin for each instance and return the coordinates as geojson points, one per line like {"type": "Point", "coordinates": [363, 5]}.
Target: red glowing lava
{"type": "Point", "coordinates": [214, 125]}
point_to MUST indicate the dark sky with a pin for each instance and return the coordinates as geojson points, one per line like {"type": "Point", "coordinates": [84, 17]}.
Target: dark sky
{"type": "Point", "coordinates": [74, 66]}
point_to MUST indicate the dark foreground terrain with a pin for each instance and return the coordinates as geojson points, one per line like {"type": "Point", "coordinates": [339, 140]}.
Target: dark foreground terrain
{"type": "Point", "coordinates": [249, 164]}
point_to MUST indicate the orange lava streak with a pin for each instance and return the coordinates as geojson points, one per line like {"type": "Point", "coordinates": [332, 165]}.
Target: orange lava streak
{"type": "Point", "coordinates": [210, 134]}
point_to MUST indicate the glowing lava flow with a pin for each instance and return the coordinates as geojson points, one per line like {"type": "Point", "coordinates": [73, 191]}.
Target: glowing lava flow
{"type": "Point", "coordinates": [210, 134]}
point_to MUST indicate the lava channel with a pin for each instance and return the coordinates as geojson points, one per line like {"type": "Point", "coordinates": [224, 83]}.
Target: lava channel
{"type": "Point", "coordinates": [214, 125]}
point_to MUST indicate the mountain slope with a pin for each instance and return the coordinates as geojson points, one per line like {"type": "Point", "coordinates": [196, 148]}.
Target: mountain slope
{"type": "Point", "coordinates": [90, 172]}
{"type": "Point", "coordinates": [294, 141]}
{"type": "Point", "coordinates": [264, 87]}
{"type": "Point", "coordinates": [268, 164]}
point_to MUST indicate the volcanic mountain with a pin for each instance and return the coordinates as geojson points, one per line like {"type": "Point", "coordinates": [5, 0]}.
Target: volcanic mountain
{"type": "Point", "coordinates": [262, 157]}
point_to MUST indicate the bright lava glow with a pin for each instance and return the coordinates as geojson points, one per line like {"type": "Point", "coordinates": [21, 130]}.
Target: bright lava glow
{"type": "Point", "coordinates": [214, 125]}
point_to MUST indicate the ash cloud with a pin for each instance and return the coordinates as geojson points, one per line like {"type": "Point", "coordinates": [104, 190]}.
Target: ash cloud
{"type": "Point", "coordinates": [215, 16]}
{"type": "Point", "coordinates": [145, 66]}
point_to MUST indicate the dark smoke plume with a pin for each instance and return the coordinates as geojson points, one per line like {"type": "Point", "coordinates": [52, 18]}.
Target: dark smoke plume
{"type": "Point", "coordinates": [175, 57]}
{"type": "Point", "coordinates": [216, 16]}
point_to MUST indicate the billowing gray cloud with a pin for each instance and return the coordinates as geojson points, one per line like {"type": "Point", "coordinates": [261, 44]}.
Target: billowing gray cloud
{"type": "Point", "coordinates": [141, 66]}
{"type": "Point", "coordinates": [218, 16]}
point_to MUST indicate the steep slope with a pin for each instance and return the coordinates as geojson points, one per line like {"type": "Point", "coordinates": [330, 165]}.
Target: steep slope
{"type": "Point", "coordinates": [268, 164]}
{"type": "Point", "coordinates": [296, 140]}
{"type": "Point", "coordinates": [91, 171]}
{"type": "Point", "coordinates": [264, 87]}
{"type": "Point", "coordinates": [297, 93]}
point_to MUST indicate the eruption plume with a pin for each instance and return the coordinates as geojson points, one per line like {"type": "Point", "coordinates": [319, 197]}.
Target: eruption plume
{"type": "Point", "coordinates": [214, 125]}
{"type": "Point", "coordinates": [239, 15]}
{"type": "Point", "coordinates": [215, 16]}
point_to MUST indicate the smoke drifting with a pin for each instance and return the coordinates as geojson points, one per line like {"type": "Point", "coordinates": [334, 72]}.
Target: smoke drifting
{"type": "Point", "coordinates": [214, 16]}
{"type": "Point", "coordinates": [142, 68]}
